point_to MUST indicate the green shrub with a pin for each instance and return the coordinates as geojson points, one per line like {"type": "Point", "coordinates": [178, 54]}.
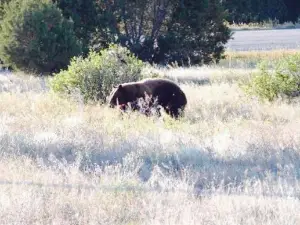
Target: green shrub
{"type": "Point", "coordinates": [283, 81]}
{"type": "Point", "coordinates": [95, 75]}
{"type": "Point", "coordinates": [35, 37]}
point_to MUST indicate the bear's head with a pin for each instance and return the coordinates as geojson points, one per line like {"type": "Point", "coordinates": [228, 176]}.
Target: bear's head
{"type": "Point", "coordinates": [117, 96]}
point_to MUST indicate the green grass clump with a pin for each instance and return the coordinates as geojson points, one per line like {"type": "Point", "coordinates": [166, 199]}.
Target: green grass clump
{"type": "Point", "coordinates": [95, 75]}
{"type": "Point", "coordinates": [283, 81]}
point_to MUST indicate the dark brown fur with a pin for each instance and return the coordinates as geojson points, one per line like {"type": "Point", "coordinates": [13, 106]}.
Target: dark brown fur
{"type": "Point", "coordinates": [167, 94]}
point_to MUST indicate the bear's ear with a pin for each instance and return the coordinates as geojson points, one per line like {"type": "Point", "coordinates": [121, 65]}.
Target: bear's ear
{"type": "Point", "coordinates": [120, 86]}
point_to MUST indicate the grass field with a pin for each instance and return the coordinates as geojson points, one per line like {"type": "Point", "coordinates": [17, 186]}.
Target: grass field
{"type": "Point", "coordinates": [250, 59]}
{"type": "Point", "coordinates": [266, 25]}
{"type": "Point", "coordinates": [230, 160]}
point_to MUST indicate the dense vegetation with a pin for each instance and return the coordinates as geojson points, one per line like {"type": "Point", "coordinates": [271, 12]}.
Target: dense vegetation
{"type": "Point", "coordinates": [35, 37]}
{"type": "Point", "coordinates": [246, 11]}
{"type": "Point", "coordinates": [162, 32]}
{"type": "Point", "coordinates": [70, 39]}
{"type": "Point", "coordinates": [282, 81]}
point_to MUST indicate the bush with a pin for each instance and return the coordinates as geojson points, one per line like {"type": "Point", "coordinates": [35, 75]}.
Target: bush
{"type": "Point", "coordinates": [187, 32]}
{"type": "Point", "coordinates": [196, 34]}
{"type": "Point", "coordinates": [95, 75]}
{"type": "Point", "coordinates": [283, 81]}
{"type": "Point", "coordinates": [35, 37]}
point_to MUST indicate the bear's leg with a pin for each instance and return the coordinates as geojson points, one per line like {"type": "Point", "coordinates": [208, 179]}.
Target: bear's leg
{"type": "Point", "coordinates": [167, 110]}
{"type": "Point", "coordinates": [175, 112]}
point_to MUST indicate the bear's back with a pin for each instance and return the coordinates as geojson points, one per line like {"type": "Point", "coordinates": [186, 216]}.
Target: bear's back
{"type": "Point", "coordinates": [167, 90]}
{"type": "Point", "coordinates": [155, 83]}
{"type": "Point", "coordinates": [161, 85]}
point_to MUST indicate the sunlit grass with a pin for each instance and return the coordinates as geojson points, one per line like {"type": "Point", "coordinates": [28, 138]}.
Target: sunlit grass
{"type": "Point", "coordinates": [230, 160]}
{"type": "Point", "coordinates": [261, 55]}
{"type": "Point", "coordinates": [266, 25]}
{"type": "Point", "coordinates": [250, 59]}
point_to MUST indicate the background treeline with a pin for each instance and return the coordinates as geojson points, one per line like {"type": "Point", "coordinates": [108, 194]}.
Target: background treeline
{"type": "Point", "coordinates": [246, 11]}
{"type": "Point", "coordinates": [41, 36]}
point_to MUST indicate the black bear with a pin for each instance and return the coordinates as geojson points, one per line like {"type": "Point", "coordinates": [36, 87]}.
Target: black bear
{"type": "Point", "coordinates": [163, 92]}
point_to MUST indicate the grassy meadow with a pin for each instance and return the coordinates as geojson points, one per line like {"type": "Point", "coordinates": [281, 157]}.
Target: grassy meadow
{"type": "Point", "coordinates": [231, 160]}
{"type": "Point", "coordinates": [266, 25]}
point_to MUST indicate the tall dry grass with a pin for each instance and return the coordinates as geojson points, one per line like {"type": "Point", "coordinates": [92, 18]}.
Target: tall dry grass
{"type": "Point", "coordinates": [265, 25]}
{"type": "Point", "coordinates": [250, 59]}
{"type": "Point", "coordinates": [230, 160]}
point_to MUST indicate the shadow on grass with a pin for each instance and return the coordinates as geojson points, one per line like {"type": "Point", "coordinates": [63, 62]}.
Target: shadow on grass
{"type": "Point", "coordinates": [206, 169]}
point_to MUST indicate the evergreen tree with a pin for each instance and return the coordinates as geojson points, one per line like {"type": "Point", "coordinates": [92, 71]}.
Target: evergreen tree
{"type": "Point", "coordinates": [84, 14]}
{"type": "Point", "coordinates": [164, 31]}
{"type": "Point", "coordinates": [35, 37]}
{"type": "Point", "coordinates": [245, 11]}
{"type": "Point", "coordinates": [293, 8]}
{"type": "Point", "coordinates": [196, 33]}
